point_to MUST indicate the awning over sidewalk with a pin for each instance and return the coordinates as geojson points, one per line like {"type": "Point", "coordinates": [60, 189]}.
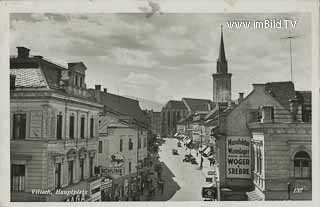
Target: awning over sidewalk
{"type": "Point", "coordinates": [207, 151]}
{"type": "Point", "coordinates": [203, 147]}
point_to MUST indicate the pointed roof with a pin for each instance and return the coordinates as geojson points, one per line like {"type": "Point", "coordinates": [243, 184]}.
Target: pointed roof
{"type": "Point", "coordinates": [222, 55]}
{"type": "Point", "coordinates": [173, 104]}
{"type": "Point", "coordinates": [195, 105]}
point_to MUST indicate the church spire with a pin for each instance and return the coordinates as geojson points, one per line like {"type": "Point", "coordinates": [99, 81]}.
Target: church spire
{"type": "Point", "coordinates": [222, 55]}
{"type": "Point", "coordinates": [222, 65]}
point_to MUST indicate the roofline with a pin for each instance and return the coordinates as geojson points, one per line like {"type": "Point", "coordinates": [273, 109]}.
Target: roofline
{"type": "Point", "coordinates": [51, 93]}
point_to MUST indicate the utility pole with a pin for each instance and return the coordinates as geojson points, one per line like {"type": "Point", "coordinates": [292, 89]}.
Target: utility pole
{"type": "Point", "coordinates": [290, 37]}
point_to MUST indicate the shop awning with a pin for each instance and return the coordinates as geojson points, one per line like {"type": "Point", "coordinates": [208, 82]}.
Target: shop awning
{"type": "Point", "coordinates": [207, 151]}
{"type": "Point", "coordinates": [203, 147]}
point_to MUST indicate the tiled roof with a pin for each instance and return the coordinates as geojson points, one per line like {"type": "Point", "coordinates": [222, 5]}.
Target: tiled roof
{"type": "Point", "coordinates": [28, 77]}
{"type": "Point", "coordinates": [197, 104]}
{"type": "Point", "coordinates": [211, 114]}
{"type": "Point", "coordinates": [123, 105]}
{"type": "Point", "coordinates": [281, 91]}
{"type": "Point", "coordinates": [172, 104]}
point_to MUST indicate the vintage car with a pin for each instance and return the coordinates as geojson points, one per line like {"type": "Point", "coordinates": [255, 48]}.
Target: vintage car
{"type": "Point", "coordinates": [175, 152]}
{"type": "Point", "coordinates": [187, 158]}
{"type": "Point", "coordinates": [193, 161]}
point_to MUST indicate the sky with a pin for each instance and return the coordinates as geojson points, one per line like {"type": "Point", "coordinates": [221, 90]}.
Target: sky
{"type": "Point", "coordinates": [167, 56]}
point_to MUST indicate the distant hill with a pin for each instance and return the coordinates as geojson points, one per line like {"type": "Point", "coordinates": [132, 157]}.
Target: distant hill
{"type": "Point", "coordinates": [147, 104]}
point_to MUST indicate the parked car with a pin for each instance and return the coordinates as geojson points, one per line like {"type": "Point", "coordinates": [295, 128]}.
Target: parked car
{"type": "Point", "coordinates": [193, 161]}
{"type": "Point", "coordinates": [187, 158]}
{"type": "Point", "coordinates": [175, 152]}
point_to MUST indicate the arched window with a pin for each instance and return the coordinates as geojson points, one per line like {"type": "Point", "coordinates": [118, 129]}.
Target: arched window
{"type": "Point", "coordinates": [302, 165]}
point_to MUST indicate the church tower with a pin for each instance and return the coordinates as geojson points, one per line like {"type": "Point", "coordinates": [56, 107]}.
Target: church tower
{"type": "Point", "coordinates": [222, 79]}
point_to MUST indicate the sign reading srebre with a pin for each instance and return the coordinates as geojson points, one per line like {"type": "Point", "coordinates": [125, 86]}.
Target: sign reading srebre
{"type": "Point", "coordinates": [238, 154]}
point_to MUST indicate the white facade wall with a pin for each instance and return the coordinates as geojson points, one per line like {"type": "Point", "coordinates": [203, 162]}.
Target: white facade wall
{"type": "Point", "coordinates": [40, 150]}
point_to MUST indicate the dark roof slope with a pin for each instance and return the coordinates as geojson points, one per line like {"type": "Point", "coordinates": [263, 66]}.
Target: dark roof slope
{"type": "Point", "coordinates": [172, 104]}
{"type": "Point", "coordinates": [123, 105]}
{"type": "Point", "coordinates": [197, 104]}
{"type": "Point", "coordinates": [281, 91]}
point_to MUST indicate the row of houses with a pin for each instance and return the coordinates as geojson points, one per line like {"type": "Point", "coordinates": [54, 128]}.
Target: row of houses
{"type": "Point", "coordinates": [262, 142]}
{"type": "Point", "coordinates": [65, 137]}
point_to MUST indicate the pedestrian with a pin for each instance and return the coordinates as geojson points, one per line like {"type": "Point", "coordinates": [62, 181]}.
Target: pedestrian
{"type": "Point", "coordinates": [197, 153]}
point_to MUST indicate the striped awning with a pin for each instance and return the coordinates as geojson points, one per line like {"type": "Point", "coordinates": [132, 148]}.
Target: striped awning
{"type": "Point", "coordinates": [207, 151]}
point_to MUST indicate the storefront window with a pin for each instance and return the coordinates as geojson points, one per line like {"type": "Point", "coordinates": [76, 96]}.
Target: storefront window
{"type": "Point", "coordinates": [18, 173]}
{"type": "Point", "coordinates": [302, 165]}
{"type": "Point", "coordinates": [70, 172]}
{"type": "Point", "coordinates": [57, 175]}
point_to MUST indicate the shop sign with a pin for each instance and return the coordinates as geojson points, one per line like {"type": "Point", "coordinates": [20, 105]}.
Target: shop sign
{"type": "Point", "coordinates": [238, 154]}
{"type": "Point", "coordinates": [114, 171]}
{"type": "Point", "coordinates": [94, 189]}
{"type": "Point", "coordinates": [106, 184]}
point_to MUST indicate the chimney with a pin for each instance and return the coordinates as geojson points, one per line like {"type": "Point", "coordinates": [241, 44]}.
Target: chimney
{"type": "Point", "coordinates": [12, 82]}
{"type": "Point", "coordinates": [105, 90]}
{"type": "Point", "coordinates": [23, 52]}
{"type": "Point", "coordinates": [98, 87]}
{"type": "Point", "coordinates": [240, 97]}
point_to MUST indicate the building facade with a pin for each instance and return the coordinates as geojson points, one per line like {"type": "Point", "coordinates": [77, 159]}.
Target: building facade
{"type": "Point", "coordinates": [155, 119]}
{"type": "Point", "coordinates": [250, 135]}
{"type": "Point", "coordinates": [171, 113]}
{"type": "Point", "coordinates": [123, 143]}
{"type": "Point", "coordinates": [54, 125]}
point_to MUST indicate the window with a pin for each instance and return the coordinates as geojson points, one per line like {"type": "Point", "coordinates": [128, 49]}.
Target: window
{"type": "Point", "coordinates": [100, 147]}
{"type": "Point", "coordinates": [80, 83]}
{"type": "Point", "coordinates": [18, 173]}
{"type": "Point", "coordinates": [130, 144]}
{"type": "Point", "coordinates": [57, 175]}
{"type": "Point", "coordinates": [76, 81]}
{"type": "Point", "coordinates": [306, 115]}
{"type": "Point", "coordinates": [129, 167]}
{"type": "Point", "coordinates": [71, 127]}
{"type": "Point", "coordinates": [260, 162]}
{"type": "Point", "coordinates": [139, 142]}
{"type": "Point", "coordinates": [82, 123]}
{"type": "Point", "coordinates": [70, 172]}
{"type": "Point", "coordinates": [91, 127]}
{"type": "Point", "coordinates": [81, 169]}
{"type": "Point", "coordinates": [144, 142]}
{"type": "Point", "coordinates": [59, 126]}
{"type": "Point", "coordinates": [302, 165]}
{"type": "Point", "coordinates": [19, 126]}
{"type": "Point", "coordinates": [121, 145]}
{"type": "Point", "coordinates": [91, 166]}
